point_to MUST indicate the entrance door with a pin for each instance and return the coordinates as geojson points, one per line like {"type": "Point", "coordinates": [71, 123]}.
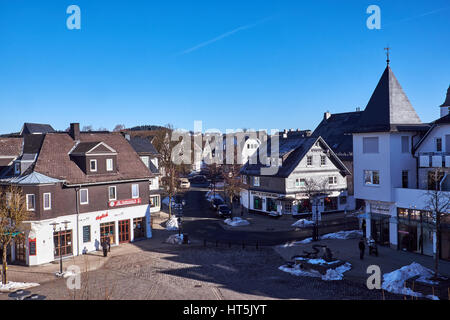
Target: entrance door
{"type": "Point", "coordinates": [107, 230]}
{"type": "Point", "coordinates": [124, 231]}
{"type": "Point", "coordinates": [139, 228]}
{"type": "Point", "coordinates": [380, 231]}
{"type": "Point", "coordinates": [63, 243]}
{"type": "Point", "coordinates": [20, 249]}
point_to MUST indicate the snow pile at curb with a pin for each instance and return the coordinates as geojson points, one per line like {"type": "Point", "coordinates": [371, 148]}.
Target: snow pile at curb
{"type": "Point", "coordinates": [341, 235]}
{"type": "Point", "coordinates": [13, 286]}
{"type": "Point", "coordinates": [175, 239]}
{"type": "Point", "coordinates": [331, 275]}
{"type": "Point", "coordinates": [395, 281]}
{"type": "Point", "coordinates": [210, 196]}
{"type": "Point", "coordinates": [236, 222]}
{"type": "Point", "coordinates": [172, 224]}
{"type": "Point", "coordinates": [303, 223]}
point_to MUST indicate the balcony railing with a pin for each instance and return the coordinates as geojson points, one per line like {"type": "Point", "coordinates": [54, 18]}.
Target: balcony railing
{"type": "Point", "coordinates": [434, 160]}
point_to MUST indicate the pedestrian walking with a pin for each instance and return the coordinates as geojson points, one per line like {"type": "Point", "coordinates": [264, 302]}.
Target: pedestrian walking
{"type": "Point", "coordinates": [363, 227]}
{"type": "Point", "coordinates": [362, 248]}
{"type": "Point", "coordinates": [105, 247]}
{"type": "Point", "coordinates": [108, 243]}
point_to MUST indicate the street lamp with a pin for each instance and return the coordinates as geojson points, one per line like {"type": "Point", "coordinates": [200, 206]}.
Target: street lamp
{"type": "Point", "coordinates": [54, 224]}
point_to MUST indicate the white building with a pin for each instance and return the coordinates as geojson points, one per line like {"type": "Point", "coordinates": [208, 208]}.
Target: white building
{"type": "Point", "coordinates": [393, 150]}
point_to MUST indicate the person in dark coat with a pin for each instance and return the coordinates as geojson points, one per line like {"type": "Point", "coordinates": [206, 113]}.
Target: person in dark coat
{"type": "Point", "coordinates": [105, 248]}
{"type": "Point", "coordinates": [363, 227]}
{"type": "Point", "coordinates": [108, 243]}
{"type": "Point", "coordinates": [362, 248]}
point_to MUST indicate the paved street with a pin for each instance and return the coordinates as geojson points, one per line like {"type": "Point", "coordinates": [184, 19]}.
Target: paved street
{"type": "Point", "coordinates": [153, 270]}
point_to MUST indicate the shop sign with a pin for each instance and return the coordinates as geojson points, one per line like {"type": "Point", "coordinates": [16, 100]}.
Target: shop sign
{"type": "Point", "coordinates": [380, 208]}
{"type": "Point", "coordinates": [264, 194]}
{"type": "Point", "coordinates": [127, 202]}
{"type": "Point", "coordinates": [100, 217]}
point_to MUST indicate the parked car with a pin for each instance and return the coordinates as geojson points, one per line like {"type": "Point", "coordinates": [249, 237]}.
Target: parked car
{"type": "Point", "coordinates": [215, 203]}
{"type": "Point", "coordinates": [199, 180]}
{"type": "Point", "coordinates": [224, 211]}
{"type": "Point", "coordinates": [184, 183]}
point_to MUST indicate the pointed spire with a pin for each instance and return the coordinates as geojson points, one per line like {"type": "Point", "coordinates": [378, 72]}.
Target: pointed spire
{"type": "Point", "coordinates": [387, 54]}
{"type": "Point", "coordinates": [388, 106]}
{"type": "Point", "coordinates": [447, 99]}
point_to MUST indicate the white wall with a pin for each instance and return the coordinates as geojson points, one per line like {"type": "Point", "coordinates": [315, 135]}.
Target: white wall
{"type": "Point", "coordinates": [43, 231]}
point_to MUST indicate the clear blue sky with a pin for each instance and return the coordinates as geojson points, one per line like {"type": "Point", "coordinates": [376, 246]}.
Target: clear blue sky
{"type": "Point", "coordinates": [232, 64]}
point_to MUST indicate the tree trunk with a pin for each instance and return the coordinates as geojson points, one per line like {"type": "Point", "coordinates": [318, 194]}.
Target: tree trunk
{"type": "Point", "coordinates": [170, 205]}
{"type": "Point", "coordinates": [4, 278]}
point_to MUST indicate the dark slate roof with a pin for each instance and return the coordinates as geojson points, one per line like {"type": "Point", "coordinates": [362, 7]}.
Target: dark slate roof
{"type": "Point", "coordinates": [336, 131]}
{"type": "Point", "coordinates": [389, 106]}
{"type": "Point", "coordinates": [292, 150]}
{"type": "Point", "coordinates": [54, 159]}
{"type": "Point", "coordinates": [84, 147]}
{"type": "Point", "coordinates": [10, 146]}
{"type": "Point", "coordinates": [447, 99]}
{"type": "Point", "coordinates": [32, 143]}
{"type": "Point", "coordinates": [33, 128]}
{"type": "Point", "coordinates": [142, 146]}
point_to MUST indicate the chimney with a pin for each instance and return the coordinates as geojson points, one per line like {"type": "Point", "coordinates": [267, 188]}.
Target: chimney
{"type": "Point", "coordinates": [326, 115]}
{"type": "Point", "coordinates": [75, 131]}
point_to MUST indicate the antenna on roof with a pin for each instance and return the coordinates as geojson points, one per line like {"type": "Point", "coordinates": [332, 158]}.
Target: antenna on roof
{"type": "Point", "coordinates": [387, 54]}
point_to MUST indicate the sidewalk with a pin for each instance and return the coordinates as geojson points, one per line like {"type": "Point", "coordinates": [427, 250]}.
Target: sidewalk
{"type": "Point", "coordinates": [347, 250]}
{"type": "Point", "coordinates": [90, 261]}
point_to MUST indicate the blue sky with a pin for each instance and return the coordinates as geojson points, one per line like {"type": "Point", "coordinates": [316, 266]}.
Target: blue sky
{"type": "Point", "coordinates": [232, 64]}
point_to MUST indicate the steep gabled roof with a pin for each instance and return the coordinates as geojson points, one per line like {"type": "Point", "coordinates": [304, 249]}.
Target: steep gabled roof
{"type": "Point", "coordinates": [143, 146]}
{"type": "Point", "coordinates": [33, 128]}
{"type": "Point", "coordinates": [389, 106]}
{"type": "Point", "coordinates": [447, 99]}
{"type": "Point", "coordinates": [336, 131]}
{"type": "Point", "coordinates": [54, 159]}
{"type": "Point", "coordinates": [292, 151]}
{"type": "Point", "coordinates": [11, 146]}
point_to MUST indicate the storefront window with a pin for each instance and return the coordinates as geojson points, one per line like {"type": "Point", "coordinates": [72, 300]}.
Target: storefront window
{"type": "Point", "coordinates": [257, 203]}
{"type": "Point", "coordinates": [331, 203]}
{"type": "Point", "coordinates": [63, 242]}
{"type": "Point", "coordinates": [304, 206]}
{"type": "Point", "coordinates": [107, 229]}
{"type": "Point", "coordinates": [139, 228]}
{"type": "Point", "coordinates": [271, 205]}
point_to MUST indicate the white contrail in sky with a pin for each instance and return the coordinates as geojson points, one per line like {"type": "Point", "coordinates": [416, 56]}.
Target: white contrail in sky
{"type": "Point", "coordinates": [222, 36]}
{"type": "Point", "coordinates": [418, 16]}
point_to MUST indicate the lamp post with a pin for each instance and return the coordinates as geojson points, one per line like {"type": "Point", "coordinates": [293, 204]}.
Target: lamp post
{"type": "Point", "coordinates": [54, 224]}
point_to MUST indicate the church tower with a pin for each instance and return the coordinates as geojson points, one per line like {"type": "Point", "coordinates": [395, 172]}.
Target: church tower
{"type": "Point", "coordinates": [445, 107]}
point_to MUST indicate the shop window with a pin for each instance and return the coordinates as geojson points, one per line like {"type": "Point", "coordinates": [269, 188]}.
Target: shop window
{"type": "Point", "coordinates": [343, 200]}
{"type": "Point", "coordinates": [287, 207]}
{"type": "Point", "coordinates": [304, 206]}
{"type": "Point", "coordinates": [154, 201]}
{"type": "Point", "coordinates": [139, 228]}
{"type": "Point", "coordinates": [257, 203]}
{"type": "Point", "coordinates": [107, 229]}
{"type": "Point", "coordinates": [331, 203]}
{"type": "Point", "coordinates": [271, 205]}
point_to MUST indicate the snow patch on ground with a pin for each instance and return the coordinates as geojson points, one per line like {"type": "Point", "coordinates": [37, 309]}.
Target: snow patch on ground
{"type": "Point", "coordinates": [341, 235]}
{"type": "Point", "coordinates": [331, 275]}
{"type": "Point", "coordinates": [175, 239]}
{"type": "Point", "coordinates": [395, 281]}
{"type": "Point", "coordinates": [13, 286]}
{"type": "Point", "coordinates": [210, 196]}
{"type": "Point", "coordinates": [172, 224]}
{"type": "Point", "coordinates": [303, 223]}
{"type": "Point", "coordinates": [236, 222]}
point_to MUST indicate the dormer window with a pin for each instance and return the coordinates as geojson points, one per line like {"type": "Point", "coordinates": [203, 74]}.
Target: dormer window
{"type": "Point", "coordinates": [17, 168]}
{"type": "Point", "coordinates": [93, 165]}
{"type": "Point", "coordinates": [109, 165]}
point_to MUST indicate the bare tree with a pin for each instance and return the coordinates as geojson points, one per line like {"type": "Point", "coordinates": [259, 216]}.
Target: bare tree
{"type": "Point", "coordinates": [233, 183]}
{"type": "Point", "coordinates": [119, 127]}
{"type": "Point", "coordinates": [316, 189]}
{"type": "Point", "coordinates": [13, 213]}
{"type": "Point", "coordinates": [88, 128]}
{"type": "Point", "coordinates": [438, 203]}
{"type": "Point", "coordinates": [165, 147]}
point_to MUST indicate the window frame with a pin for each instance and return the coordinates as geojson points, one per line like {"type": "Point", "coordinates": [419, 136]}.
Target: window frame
{"type": "Point", "coordinates": [87, 196]}
{"type": "Point", "coordinates": [365, 146]}
{"type": "Point", "coordinates": [309, 161]}
{"type": "Point", "coordinates": [333, 182]}
{"type": "Point", "coordinates": [17, 168]}
{"type": "Point", "coordinates": [49, 201]}
{"type": "Point", "coordinates": [256, 181]}
{"type": "Point", "coordinates": [436, 144]}
{"type": "Point", "coordinates": [109, 193]}
{"type": "Point", "coordinates": [371, 184]}
{"type": "Point", "coordinates": [132, 189]}
{"type": "Point", "coordinates": [323, 160]}
{"type": "Point", "coordinates": [28, 202]}
{"type": "Point", "coordinates": [109, 161]}
{"type": "Point", "coordinates": [90, 165]}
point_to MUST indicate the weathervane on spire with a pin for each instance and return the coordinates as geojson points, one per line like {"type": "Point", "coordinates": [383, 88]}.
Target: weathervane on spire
{"type": "Point", "coordinates": [387, 54]}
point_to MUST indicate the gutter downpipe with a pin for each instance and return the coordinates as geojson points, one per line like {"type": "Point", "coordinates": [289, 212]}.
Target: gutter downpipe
{"type": "Point", "coordinates": [417, 159]}
{"type": "Point", "coordinates": [77, 189]}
